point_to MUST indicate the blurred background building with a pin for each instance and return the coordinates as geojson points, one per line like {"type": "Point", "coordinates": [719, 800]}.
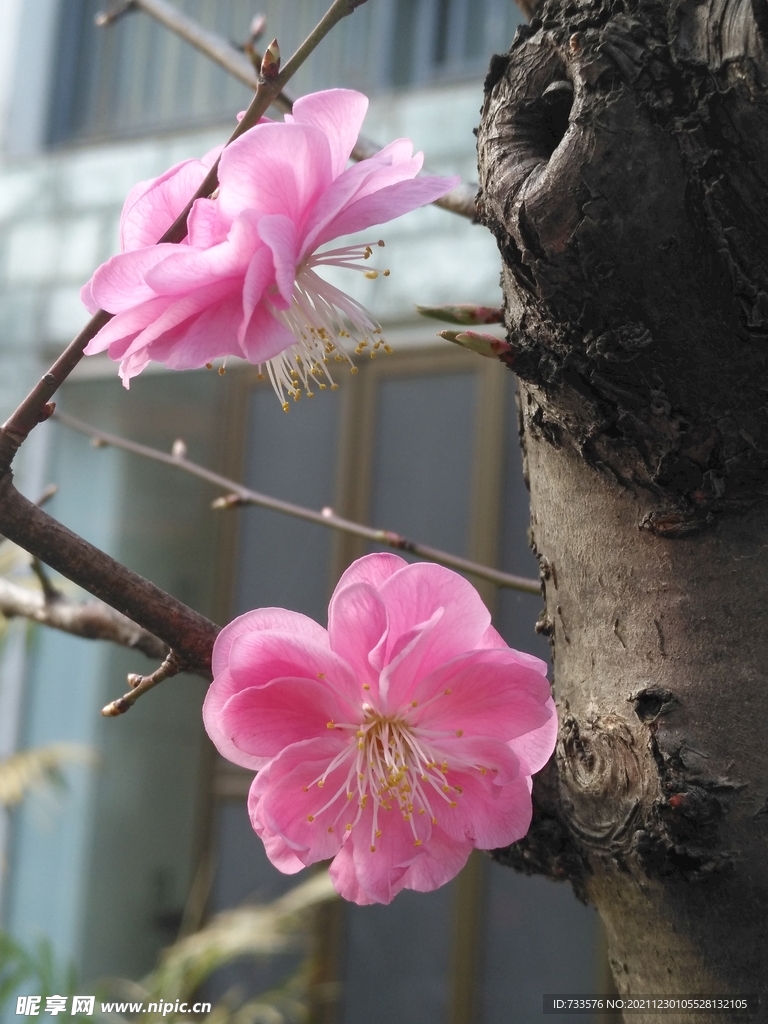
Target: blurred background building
{"type": "Point", "coordinates": [154, 836]}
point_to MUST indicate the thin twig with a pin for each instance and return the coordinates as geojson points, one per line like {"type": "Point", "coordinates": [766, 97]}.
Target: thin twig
{"type": "Point", "coordinates": [37, 406]}
{"type": "Point", "coordinates": [92, 620]}
{"type": "Point", "coordinates": [140, 684]}
{"type": "Point", "coordinates": [237, 494]}
{"type": "Point", "coordinates": [460, 200]}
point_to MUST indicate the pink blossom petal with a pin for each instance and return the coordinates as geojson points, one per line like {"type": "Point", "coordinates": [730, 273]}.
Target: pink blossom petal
{"type": "Point", "coordinates": [279, 619]}
{"type": "Point", "coordinates": [381, 872]}
{"type": "Point", "coordinates": [265, 337]}
{"type": "Point", "coordinates": [205, 224]}
{"type": "Point", "coordinates": [339, 114]}
{"type": "Point", "coordinates": [131, 366]}
{"type": "Point", "coordinates": [211, 334]}
{"type": "Point", "coordinates": [373, 569]}
{"type": "Point", "coordinates": [414, 594]}
{"type": "Point", "coordinates": [181, 308]}
{"type": "Point", "coordinates": [439, 862]}
{"type": "Point", "coordinates": [281, 855]}
{"type": "Point", "coordinates": [483, 693]}
{"type": "Point", "coordinates": [392, 164]}
{"type": "Point", "coordinates": [120, 283]}
{"type": "Point", "coordinates": [187, 269]}
{"type": "Point", "coordinates": [263, 720]}
{"type": "Point", "coordinates": [489, 816]}
{"type": "Point", "coordinates": [535, 748]}
{"type": "Point", "coordinates": [224, 686]}
{"type": "Point", "coordinates": [279, 233]}
{"type": "Point", "coordinates": [219, 692]}
{"type": "Point", "coordinates": [87, 299]}
{"type": "Point", "coordinates": [492, 638]}
{"type": "Point", "coordinates": [257, 658]}
{"type": "Point", "coordinates": [294, 168]}
{"type": "Point", "coordinates": [152, 206]}
{"type": "Point", "coordinates": [357, 625]}
{"type": "Point", "coordinates": [344, 877]}
{"type": "Point", "coordinates": [406, 657]}
{"type": "Point", "coordinates": [290, 804]}
{"type": "Point", "coordinates": [278, 851]}
{"type": "Point", "coordinates": [386, 204]}
{"type": "Point", "coordinates": [126, 325]}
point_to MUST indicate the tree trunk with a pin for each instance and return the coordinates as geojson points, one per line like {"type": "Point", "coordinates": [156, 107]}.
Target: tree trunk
{"type": "Point", "coordinates": [624, 171]}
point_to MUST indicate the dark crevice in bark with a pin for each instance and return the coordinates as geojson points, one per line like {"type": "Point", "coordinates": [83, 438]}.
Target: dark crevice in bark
{"type": "Point", "coordinates": [619, 112]}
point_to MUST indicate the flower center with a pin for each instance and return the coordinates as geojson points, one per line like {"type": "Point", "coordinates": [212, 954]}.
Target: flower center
{"type": "Point", "coordinates": [394, 764]}
{"type": "Point", "coordinates": [323, 319]}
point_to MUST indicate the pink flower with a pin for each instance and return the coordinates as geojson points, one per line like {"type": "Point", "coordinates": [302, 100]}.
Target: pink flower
{"type": "Point", "coordinates": [245, 281]}
{"type": "Point", "coordinates": [394, 742]}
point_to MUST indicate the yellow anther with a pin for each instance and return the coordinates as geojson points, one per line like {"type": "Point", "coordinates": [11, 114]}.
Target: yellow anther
{"type": "Point", "coordinates": [446, 789]}
{"type": "Point", "coordinates": [310, 817]}
{"type": "Point", "coordinates": [446, 692]}
{"type": "Point", "coordinates": [434, 821]}
{"type": "Point", "coordinates": [334, 387]}
{"type": "Point", "coordinates": [360, 732]}
{"type": "Point", "coordinates": [414, 703]}
{"type": "Point", "coordinates": [222, 371]}
{"type": "Point", "coordinates": [321, 783]}
{"type": "Point", "coordinates": [388, 349]}
{"type": "Point", "coordinates": [286, 407]}
{"type": "Point", "coordinates": [260, 376]}
{"type": "Point", "coordinates": [483, 771]}
{"type": "Point", "coordinates": [330, 725]}
{"type": "Point", "coordinates": [366, 686]}
{"type": "Point", "coordinates": [330, 828]}
{"type": "Point", "coordinates": [371, 274]}
{"type": "Point", "coordinates": [305, 788]}
{"type": "Point", "coordinates": [386, 273]}
{"type": "Point", "coordinates": [459, 732]}
{"type": "Point", "coordinates": [453, 804]}
{"type": "Point", "coordinates": [377, 833]}
{"type": "Point", "coordinates": [422, 811]}
{"type": "Point", "coordinates": [364, 801]}
{"type": "Point", "coordinates": [380, 243]}
{"type": "Point", "coordinates": [417, 842]}
{"type": "Point", "coordinates": [352, 369]}
{"type": "Point", "coordinates": [348, 828]}
{"type": "Point", "coordinates": [349, 796]}
{"type": "Point", "coordinates": [373, 849]}
{"type": "Point", "coordinates": [209, 366]}
{"type": "Point", "coordinates": [321, 675]}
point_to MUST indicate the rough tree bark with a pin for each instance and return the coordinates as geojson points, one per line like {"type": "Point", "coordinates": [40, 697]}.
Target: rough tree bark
{"type": "Point", "coordinates": [624, 172]}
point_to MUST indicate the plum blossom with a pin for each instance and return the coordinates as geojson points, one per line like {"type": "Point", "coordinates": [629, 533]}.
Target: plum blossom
{"type": "Point", "coordinates": [393, 742]}
{"type": "Point", "coordinates": [246, 279]}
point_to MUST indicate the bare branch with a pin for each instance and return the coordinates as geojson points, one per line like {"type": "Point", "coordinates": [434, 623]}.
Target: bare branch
{"type": "Point", "coordinates": [240, 495]}
{"type": "Point", "coordinates": [92, 620]}
{"type": "Point", "coordinates": [184, 630]}
{"type": "Point", "coordinates": [37, 406]}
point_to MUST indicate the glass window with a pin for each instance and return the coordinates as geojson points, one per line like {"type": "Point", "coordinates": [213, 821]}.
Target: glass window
{"type": "Point", "coordinates": [136, 77]}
